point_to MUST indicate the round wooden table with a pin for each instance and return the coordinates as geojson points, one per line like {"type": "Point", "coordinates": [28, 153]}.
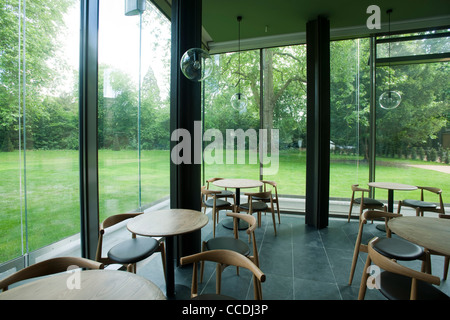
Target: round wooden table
{"type": "Point", "coordinates": [430, 233]}
{"type": "Point", "coordinates": [390, 186]}
{"type": "Point", "coordinates": [168, 223]}
{"type": "Point", "coordinates": [237, 184]}
{"type": "Point", "coordinates": [87, 285]}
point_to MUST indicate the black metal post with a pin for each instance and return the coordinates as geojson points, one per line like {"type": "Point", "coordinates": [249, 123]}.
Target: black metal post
{"type": "Point", "coordinates": [88, 128]}
{"type": "Point", "coordinates": [318, 122]}
{"type": "Point", "coordinates": [185, 111]}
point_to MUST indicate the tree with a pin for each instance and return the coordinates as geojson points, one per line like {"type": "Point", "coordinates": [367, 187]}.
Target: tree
{"type": "Point", "coordinates": [44, 20]}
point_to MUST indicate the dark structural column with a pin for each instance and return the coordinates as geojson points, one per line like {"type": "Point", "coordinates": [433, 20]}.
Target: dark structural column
{"type": "Point", "coordinates": [88, 128]}
{"type": "Point", "coordinates": [318, 122]}
{"type": "Point", "coordinates": [185, 109]}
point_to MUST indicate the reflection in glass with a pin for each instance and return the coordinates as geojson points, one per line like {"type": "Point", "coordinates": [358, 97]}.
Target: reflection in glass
{"type": "Point", "coordinates": [390, 100]}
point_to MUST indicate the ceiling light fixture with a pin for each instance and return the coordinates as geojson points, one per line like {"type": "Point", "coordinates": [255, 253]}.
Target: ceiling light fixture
{"type": "Point", "coordinates": [390, 99]}
{"type": "Point", "coordinates": [239, 100]}
{"type": "Point", "coordinates": [196, 64]}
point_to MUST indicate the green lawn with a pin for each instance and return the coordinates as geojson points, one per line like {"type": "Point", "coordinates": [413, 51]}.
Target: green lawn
{"type": "Point", "coordinates": [52, 187]}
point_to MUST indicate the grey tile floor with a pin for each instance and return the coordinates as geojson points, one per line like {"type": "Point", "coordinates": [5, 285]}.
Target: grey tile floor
{"type": "Point", "coordinates": [300, 263]}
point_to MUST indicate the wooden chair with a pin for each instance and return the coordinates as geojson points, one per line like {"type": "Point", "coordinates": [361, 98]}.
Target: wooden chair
{"type": "Point", "coordinates": [420, 205]}
{"type": "Point", "coordinates": [234, 244]}
{"type": "Point", "coordinates": [223, 257]}
{"type": "Point", "coordinates": [214, 203]}
{"type": "Point", "coordinates": [223, 193]}
{"type": "Point", "coordinates": [446, 258]}
{"type": "Point", "coordinates": [47, 267]}
{"type": "Point", "coordinates": [364, 202]}
{"type": "Point", "coordinates": [396, 248]}
{"type": "Point", "coordinates": [273, 187]}
{"type": "Point", "coordinates": [398, 282]}
{"type": "Point", "coordinates": [131, 251]}
{"type": "Point", "coordinates": [259, 206]}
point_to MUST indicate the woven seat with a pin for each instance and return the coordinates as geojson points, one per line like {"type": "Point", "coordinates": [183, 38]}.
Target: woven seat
{"type": "Point", "coordinates": [133, 250]}
{"type": "Point", "coordinates": [259, 206]}
{"type": "Point", "coordinates": [228, 243]}
{"type": "Point", "coordinates": [422, 206]}
{"type": "Point", "coordinates": [256, 206]}
{"type": "Point", "coordinates": [219, 203]}
{"type": "Point", "coordinates": [223, 258]}
{"type": "Point", "coordinates": [419, 204]}
{"type": "Point", "coordinates": [364, 202]}
{"type": "Point", "coordinates": [214, 203]}
{"type": "Point", "coordinates": [399, 249]}
{"type": "Point", "coordinates": [234, 243]}
{"type": "Point", "coordinates": [398, 287]}
{"type": "Point", "coordinates": [130, 251]}
{"type": "Point", "coordinates": [395, 248]}
{"type": "Point", "coordinates": [398, 282]}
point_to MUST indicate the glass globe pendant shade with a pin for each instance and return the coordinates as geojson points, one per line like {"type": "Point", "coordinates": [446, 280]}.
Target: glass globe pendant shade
{"type": "Point", "coordinates": [390, 100]}
{"type": "Point", "coordinates": [196, 64]}
{"type": "Point", "coordinates": [239, 102]}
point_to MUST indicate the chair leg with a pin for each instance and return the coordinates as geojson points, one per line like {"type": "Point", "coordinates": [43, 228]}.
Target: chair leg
{"type": "Point", "coordinates": [202, 264]}
{"type": "Point", "coordinates": [278, 211]}
{"type": "Point", "coordinates": [162, 249]}
{"type": "Point", "coordinates": [274, 224]}
{"type": "Point", "coordinates": [350, 211]}
{"type": "Point", "coordinates": [446, 267]}
{"type": "Point", "coordinates": [355, 256]}
{"type": "Point", "coordinates": [214, 222]}
{"type": "Point", "coordinates": [365, 276]}
{"type": "Point", "coordinates": [218, 278]}
{"type": "Point", "coordinates": [399, 206]}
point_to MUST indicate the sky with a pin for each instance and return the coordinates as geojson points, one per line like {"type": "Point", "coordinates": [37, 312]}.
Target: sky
{"type": "Point", "coordinates": [119, 42]}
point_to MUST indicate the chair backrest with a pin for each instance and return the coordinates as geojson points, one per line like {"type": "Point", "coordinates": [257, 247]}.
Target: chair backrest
{"type": "Point", "coordinates": [390, 265]}
{"type": "Point", "coordinates": [205, 193]}
{"type": "Point", "coordinates": [226, 257]}
{"type": "Point", "coordinates": [251, 220]}
{"type": "Point", "coordinates": [271, 183]}
{"type": "Point", "coordinates": [47, 267]}
{"type": "Point", "coordinates": [263, 195]}
{"type": "Point", "coordinates": [356, 188]}
{"type": "Point", "coordinates": [378, 214]}
{"type": "Point", "coordinates": [433, 190]}
{"type": "Point", "coordinates": [109, 222]}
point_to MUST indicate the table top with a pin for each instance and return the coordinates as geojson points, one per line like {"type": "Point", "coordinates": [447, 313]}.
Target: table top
{"type": "Point", "coordinates": [165, 223]}
{"type": "Point", "coordinates": [237, 183]}
{"type": "Point", "coordinates": [430, 233]}
{"type": "Point", "coordinates": [392, 186]}
{"type": "Point", "coordinates": [91, 285]}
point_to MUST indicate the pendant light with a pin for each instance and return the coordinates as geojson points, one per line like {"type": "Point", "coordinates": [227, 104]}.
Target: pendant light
{"type": "Point", "coordinates": [239, 100]}
{"type": "Point", "coordinates": [196, 64]}
{"type": "Point", "coordinates": [390, 99]}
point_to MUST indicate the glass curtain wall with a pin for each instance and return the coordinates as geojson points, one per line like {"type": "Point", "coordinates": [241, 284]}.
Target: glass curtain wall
{"type": "Point", "coordinates": [279, 112]}
{"type": "Point", "coordinates": [410, 140]}
{"type": "Point", "coordinates": [39, 162]}
{"type": "Point", "coordinates": [133, 108]}
{"type": "Point", "coordinates": [349, 119]}
{"type": "Point", "coordinates": [283, 113]}
{"type": "Point", "coordinates": [231, 132]}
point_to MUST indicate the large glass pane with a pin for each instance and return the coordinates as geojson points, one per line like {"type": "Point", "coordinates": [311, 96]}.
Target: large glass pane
{"type": "Point", "coordinates": [349, 117]}
{"type": "Point", "coordinates": [284, 113]}
{"type": "Point", "coordinates": [430, 42]}
{"type": "Point", "coordinates": [411, 145]}
{"type": "Point", "coordinates": [133, 118]}
{"type": "Point", "coordinates": [231, 132]}
{"type": "Point", "coordinates": [39, 124]}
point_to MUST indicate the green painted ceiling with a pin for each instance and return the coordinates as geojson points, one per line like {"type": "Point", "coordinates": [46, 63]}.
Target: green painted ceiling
{"type": "Point", "coordinates": [270, 18]}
